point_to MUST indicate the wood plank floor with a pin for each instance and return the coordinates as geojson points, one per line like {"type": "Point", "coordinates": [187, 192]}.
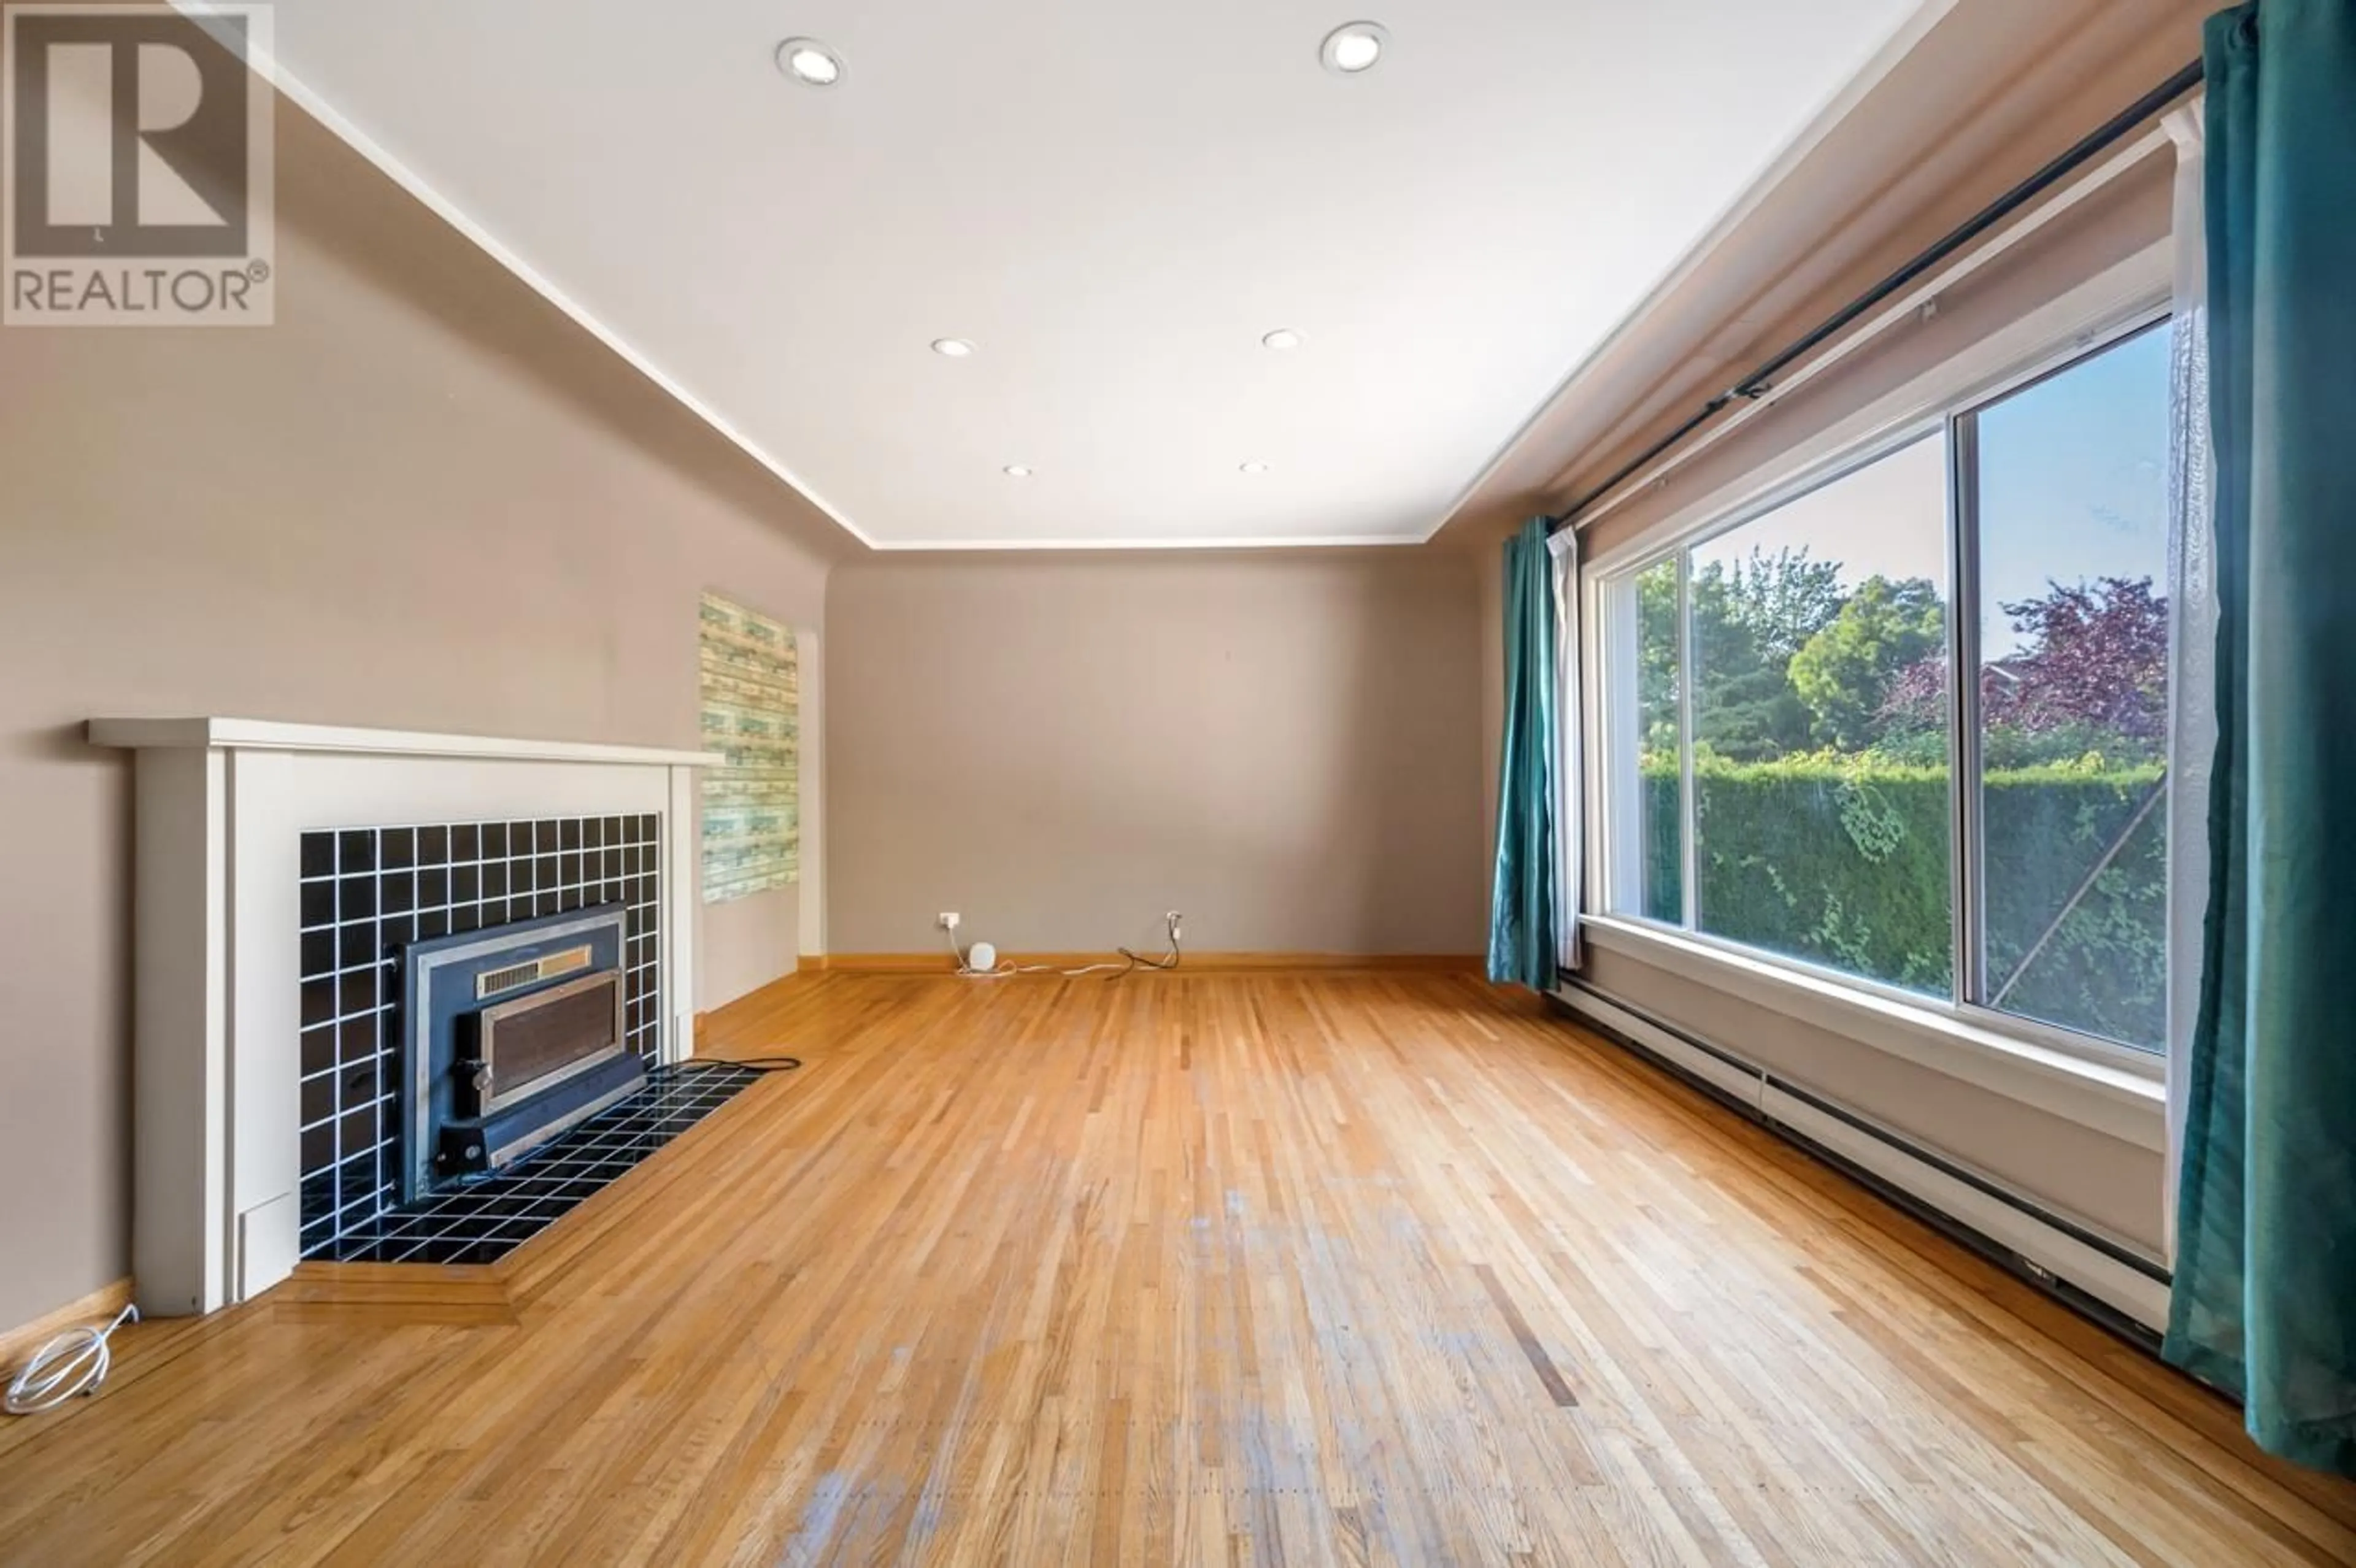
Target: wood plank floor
{"type": "Point", "coordinates": [1334, 1269]}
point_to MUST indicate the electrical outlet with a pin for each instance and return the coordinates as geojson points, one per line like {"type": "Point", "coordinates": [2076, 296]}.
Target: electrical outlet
{"type": "Point", "coordinates": [948, 920]}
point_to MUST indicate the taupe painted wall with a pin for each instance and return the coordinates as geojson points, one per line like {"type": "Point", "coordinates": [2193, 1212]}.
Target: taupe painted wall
{"type": "Point", "coordinates": [423, 500]}
{"type": "Point", "coordinates": [1284, 747]}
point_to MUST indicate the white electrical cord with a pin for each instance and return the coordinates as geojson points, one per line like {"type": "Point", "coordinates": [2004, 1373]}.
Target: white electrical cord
{"type": "Point", "coordinates": [76, 1361]}
{"type": "Point", "coordinates": [1130, 961]}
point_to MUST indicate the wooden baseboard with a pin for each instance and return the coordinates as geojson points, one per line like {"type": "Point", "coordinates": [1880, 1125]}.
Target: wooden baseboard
{"type": "Point", "coordinates": [1195, 962]}
{"type": "Point", "coordinates": [98, 1306]}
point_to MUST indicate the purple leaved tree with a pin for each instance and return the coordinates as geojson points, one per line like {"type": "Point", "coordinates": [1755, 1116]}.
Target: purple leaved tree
{"type": "Point", "coordinates": [2094, 654]}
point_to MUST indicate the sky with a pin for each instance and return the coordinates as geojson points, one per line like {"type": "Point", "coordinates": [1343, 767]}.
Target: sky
{"type": "Point", "coordinates": [2073, 486]}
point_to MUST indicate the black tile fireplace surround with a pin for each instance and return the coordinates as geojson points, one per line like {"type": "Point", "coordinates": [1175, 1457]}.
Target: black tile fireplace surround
{"type": "Point", "coordinates": [369, 892]}
{"type": "Point", "coordinates": [481, 1221]}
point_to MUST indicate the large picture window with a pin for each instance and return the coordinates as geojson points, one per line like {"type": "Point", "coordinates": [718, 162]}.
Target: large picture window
{"type": "Point", "coordinates": [1796, 768]}
{"type": "Point", "coordinates": [2067, 529]}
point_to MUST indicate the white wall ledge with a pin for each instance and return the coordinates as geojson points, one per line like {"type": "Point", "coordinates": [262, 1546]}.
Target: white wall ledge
{"type": "Point", "coordinates": [270, 735]}
{"type": "Point", "coordinates": [2123, 1097]}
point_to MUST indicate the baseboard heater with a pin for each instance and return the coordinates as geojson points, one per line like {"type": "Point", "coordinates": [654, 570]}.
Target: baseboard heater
{"type": "Point", "coordinates": [2116, 1287]}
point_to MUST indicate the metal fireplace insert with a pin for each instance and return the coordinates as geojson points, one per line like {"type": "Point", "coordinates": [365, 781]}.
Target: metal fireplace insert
{"type": "Point", "coordinates": [510, 1036]}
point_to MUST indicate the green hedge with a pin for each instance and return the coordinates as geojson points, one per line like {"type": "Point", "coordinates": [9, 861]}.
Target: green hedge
{"type": "Point", "coordinates": [1844, 862]}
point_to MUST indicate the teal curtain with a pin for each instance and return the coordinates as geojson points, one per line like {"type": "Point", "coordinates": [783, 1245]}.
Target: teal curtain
{"type": "Point", "coordinates": [2265, 1298]}
{"type": "Point", "coordinates": [1522, 946]}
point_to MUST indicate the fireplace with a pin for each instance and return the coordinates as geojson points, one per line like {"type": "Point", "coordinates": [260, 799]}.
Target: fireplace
{"type": "Point", "coordinates": [284, 874]}
{"type": "Point", "coordinates": [509, 1037]}
{"type": "Point", "coordinates": [382, 906]}
{"type": "Point", "coordinates": [498, 1057]}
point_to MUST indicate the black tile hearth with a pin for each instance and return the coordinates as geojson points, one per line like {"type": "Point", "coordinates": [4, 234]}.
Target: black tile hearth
{"type": "Point", "coordinates": [483, 1221]}
{"type": "Point", "coordinates": [367, 892]}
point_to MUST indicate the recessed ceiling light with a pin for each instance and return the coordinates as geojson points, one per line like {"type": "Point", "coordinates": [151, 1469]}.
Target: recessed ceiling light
{"type": "Point", "coordinates": [1018, 471]}
{"type": "Point", "coordinates": [1353, 46]}
{"type": "Point", "coordinates": [810, 62]}
{"type": "Point", "coordinates": [1254, 467]}
{"type": "Point", "coordinates": [1283, 337]}
{"type": "Point", "coordinates": [952, 347]}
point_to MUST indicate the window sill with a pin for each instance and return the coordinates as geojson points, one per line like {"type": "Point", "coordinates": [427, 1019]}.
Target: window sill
{"type": "Point", "coordinates": [2122, 1099]}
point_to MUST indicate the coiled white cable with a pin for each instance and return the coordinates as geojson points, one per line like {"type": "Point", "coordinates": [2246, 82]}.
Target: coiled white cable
{"type": "Point", "coordinates": [76, 1361]}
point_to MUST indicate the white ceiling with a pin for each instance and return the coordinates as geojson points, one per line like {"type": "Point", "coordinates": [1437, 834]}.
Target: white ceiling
{"type": "Point", "coordinates": [1114, 201]}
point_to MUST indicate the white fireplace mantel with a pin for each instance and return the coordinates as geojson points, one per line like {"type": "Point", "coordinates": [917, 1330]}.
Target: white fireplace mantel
{"type": "Point", "coordinates": [270, 735]}
{"type": "Point", "coordinates": [221, 806]}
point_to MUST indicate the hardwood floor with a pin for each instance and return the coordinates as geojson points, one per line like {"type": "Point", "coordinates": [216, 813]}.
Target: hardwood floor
{"type": "Point", "coordinates": [1333, 1269]}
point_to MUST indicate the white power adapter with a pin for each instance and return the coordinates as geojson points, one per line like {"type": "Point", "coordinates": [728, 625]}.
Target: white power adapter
{"type": "Point", "coordinates": [979, 962]}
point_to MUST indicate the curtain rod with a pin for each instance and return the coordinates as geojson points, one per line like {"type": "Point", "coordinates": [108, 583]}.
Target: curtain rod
{"type": "Point", "coordinates": [1760, 382]}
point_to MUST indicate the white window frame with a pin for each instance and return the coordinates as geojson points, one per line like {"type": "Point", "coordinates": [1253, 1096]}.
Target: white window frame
{"type": "Point", "coordinates": [2103, 1082]}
